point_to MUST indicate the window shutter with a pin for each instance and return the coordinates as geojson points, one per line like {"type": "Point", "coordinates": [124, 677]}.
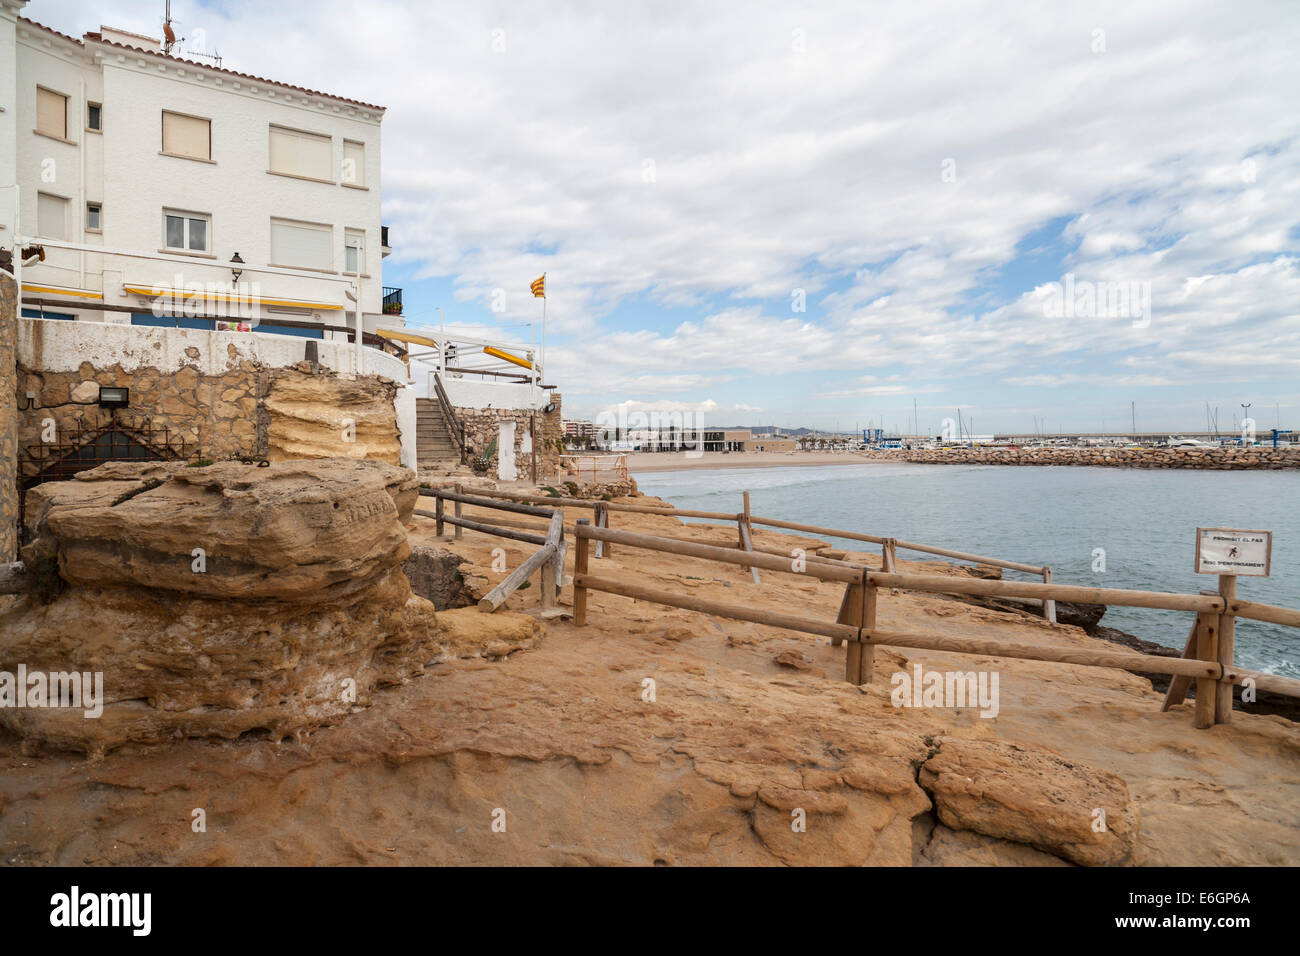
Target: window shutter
{"type": "Point", "coordinates": [301, 154]}
{"type": "Point", "coordinates": [354, 163]}
{"type": "Point", "coordinates": [284, 151]}
{"type": "Point", "coordinates": [293, 244]}
{"type": "Point", "coordinates": [187, 136]}
{"type": "Point", "coordinates": [52, 113]}
{"type": "Point", "coordinates": [316, 154]}
{"type": "Point", "coordinates": [51, 216]}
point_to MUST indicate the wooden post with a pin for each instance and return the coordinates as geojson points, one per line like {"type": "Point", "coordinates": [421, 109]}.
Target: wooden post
{"type": "Point", "coordinates": [1227, 637]}
{"type": "Point", "coordinates": [741, 519]}
{"type": "Point", "coordinates": [579, 569]}
{"type": "Point", "coordinates": [1179, 685]}
{"type": "Point", "coordinates": [540, 559]}
{"type": "Point", "coordinates": [603, 548]}
{"type": "Point", "coordinates": [460, 491]}
{"type": "Point", "coordinates": [1207, 649]}
{"type": "Point", "coordinates": [556, 534]}
{"type": "Point", "coordinates": [1049, 606]}
{"type": "Point", "coordinates": [548, 584]}
{"type": "Point", "coordinates": [747, 544]}
{"type": "Point", "coordinates": [745, 533]}
{"type": "Point", "coordinates": [859, 610]}
{"type": "Point", "coordinates": [437, 515]}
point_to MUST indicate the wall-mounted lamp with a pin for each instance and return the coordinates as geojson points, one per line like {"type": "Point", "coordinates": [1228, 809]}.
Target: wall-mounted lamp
{"type": "Point", "coordinates": [235, 270]}
{"type": "Point", "coordinates": [114, 397]}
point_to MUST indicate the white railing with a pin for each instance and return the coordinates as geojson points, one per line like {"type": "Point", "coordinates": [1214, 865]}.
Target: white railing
{"type": "Point", "coordinates": [596, 467]}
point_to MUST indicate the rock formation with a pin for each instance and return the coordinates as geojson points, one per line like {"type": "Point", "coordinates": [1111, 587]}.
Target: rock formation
{"type": "Point", "coordinates": [218, 600]}
{"type": "Point", "coordinates": [1215, 458]}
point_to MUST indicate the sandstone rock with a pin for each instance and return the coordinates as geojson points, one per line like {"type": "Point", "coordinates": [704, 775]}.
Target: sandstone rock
{"type": "Point", "coordinates": [1033, 797]}
{"type": "Point", "coordinates": [307, 531]}
{"type": "Point", "coordinates": [85, 392]}
{"type": "Point", "coordinates": [434, 575]}
{"type": "Point", "coordinates": [197, 667]}
{"type": "Point", "coordinates": [294, 611]}
{"type": "Point", "coordinates": [1086, 616]}
{"type": "Point", "coordinates": [963, 848]}
{"type": "Point", "coordinates": [468, 632]}
{"type": "Point", "coordinates": [309, 412]}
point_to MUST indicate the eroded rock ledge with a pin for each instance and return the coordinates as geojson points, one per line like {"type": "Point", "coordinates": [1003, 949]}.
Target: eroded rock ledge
{"type": "Point", "coordinates": [218, 600]}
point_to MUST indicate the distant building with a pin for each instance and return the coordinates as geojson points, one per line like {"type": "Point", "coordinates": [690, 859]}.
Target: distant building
{"type": "Point", "coordinates": [579, 428]}
{"type": "Point", "coordinates": [730, 439]}
{"type": "Point", "coordinates": [771, 443]}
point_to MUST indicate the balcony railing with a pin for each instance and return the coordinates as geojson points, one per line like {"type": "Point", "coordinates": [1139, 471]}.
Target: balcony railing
{"type": "Point", "coordinates": [392, 301]}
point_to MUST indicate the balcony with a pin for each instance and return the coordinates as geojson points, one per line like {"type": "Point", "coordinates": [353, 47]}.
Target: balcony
{"type": "Point", "coordinates": [392, 301]}
{"type": "Point", "coordinates": [384, 247]}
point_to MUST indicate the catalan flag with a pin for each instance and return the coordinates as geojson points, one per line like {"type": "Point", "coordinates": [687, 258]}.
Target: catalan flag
{"type": "Point", "coordinates": [539, 287]}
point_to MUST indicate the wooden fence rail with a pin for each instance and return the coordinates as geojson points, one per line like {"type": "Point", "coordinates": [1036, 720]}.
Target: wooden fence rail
{"type": "Point", "coordinates": [745, 522]}
{"type": "Point", "coordinates": [1203, 660]}
{"type": "Point", "coordinates": [549, 558]}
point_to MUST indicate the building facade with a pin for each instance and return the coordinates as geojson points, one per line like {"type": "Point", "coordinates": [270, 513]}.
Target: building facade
{"type": "Point", "coordinates": [213, 194]}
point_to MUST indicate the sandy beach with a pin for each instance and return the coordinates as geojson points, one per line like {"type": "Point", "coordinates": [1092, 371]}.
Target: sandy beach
{"type": "Point", "coordinates": [642, 463]}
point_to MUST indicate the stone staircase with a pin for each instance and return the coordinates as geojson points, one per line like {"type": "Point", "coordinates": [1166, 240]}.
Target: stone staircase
{"type": "Point", "coordinates": [434, 446]}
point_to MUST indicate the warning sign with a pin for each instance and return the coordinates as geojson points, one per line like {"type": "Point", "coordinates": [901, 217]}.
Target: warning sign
{"type": "Point", "coordinates": [1227, 551]}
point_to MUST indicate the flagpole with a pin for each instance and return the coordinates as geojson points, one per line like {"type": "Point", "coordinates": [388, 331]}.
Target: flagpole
{"type": "Point", "coordinates": [543, 324]}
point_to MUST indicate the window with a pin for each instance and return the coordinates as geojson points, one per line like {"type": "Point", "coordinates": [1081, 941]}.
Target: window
{"type": "Point", "coordinates": [51, 216]}
{"type": "Point", "coordinates": [92, 216]}
{"type": "Point", "coordinates": [51, 113]}
{"type": "Point", "coordinates": [187, 136]}
{"type": "Point", "coordinates": [302, 244]}
{"type": "Point", "coordinates": [94, 116]}
{"type": "Point", "coordinates": [187, 231]}
{"type": "Point", "coordinates": [354, 163]}
{"type": "Point", "coordinates": [354, 251]}
{"type": "Point", "coordinates": [295, 153]}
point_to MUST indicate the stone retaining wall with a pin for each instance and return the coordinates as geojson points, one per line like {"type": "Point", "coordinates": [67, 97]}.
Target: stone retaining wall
{"type": "Point", "coordinates": [482, 426]}
{"type": "Point", "coordinates": [247, 410]}
{"type": "Point", "coordinates": [1214, 458]}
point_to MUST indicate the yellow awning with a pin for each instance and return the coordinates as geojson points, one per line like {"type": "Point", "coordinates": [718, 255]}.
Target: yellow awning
{"type": "Point", "coordinates": [154, 292]}
{"type": "Point", "coordinates": [410, 338]}
{"type": "Point", "coordinates": [53, 290]}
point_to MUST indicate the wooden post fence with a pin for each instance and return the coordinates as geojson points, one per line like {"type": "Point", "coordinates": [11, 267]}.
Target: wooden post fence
{"type": "Point", "coordinates": [1225, 649]}
{"type": "Point", "coordinates": [1208, 656]}
{"type": "Point", "coordinates": [1205, 661]}
{"type": "Point", "coordinates": [548, 559]}
{"type": "Point", "coordinates": [460, 490]}
{"type": "Point", "coordinates": [581, 543]}
{"type": "Point", "coordinates": [1049, 606]}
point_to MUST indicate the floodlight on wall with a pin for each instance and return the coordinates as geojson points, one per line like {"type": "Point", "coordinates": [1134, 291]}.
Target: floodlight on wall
{"type": "Point", "coordinates": [235, 270]}
{"type": "Point", "coordinates": [114, 397]}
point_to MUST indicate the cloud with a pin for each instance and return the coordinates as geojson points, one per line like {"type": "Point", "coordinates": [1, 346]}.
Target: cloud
{"type": "Point", "coordinates": [675, 155]}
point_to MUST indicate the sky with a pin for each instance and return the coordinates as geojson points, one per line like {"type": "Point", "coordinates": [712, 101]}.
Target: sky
{"type": "Point", "coordinates": [1055, 215]}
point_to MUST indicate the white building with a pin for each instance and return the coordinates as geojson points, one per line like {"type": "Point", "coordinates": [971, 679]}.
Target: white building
{"type": "Point", "coordinates": [173, 167]}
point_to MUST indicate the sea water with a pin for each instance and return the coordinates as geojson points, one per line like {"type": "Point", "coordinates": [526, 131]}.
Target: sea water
{"type": "Point", "coordinates": [1138, 524]}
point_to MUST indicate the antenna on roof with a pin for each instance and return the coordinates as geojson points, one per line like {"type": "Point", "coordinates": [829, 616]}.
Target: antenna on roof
{"type": "Point", "coordinates": [169, 35]}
